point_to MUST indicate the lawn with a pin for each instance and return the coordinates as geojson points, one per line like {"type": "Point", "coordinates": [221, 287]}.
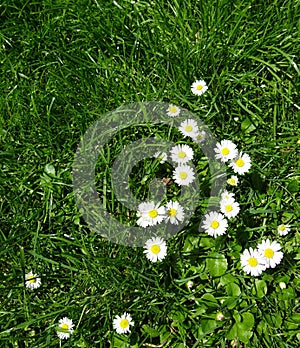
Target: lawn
{"type": "Point", "coordinates": [66, 65]}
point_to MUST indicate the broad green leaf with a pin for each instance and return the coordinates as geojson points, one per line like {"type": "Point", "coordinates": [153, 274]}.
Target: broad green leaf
{"type": "Point", "coordinates": [293, 186]}
{"type": "Point", "coordinates": [232, 289]}
{"type": "Point", "coordinates": [274, 320]}
{"type": "Point", "coordinates": [259, 288]}
{"type": "Point", "coordinates": [242, 329]}
{"type": "Point", "coordinates": [50, 170]}
{"type": "Point", "coordinates": [209, 300]}
{"type": "Point", "coordinates": [191, 243]}
{"type": "Point", "coordinates": [216, 264]}
{"type": "Point", "coordinates": [150, 331]}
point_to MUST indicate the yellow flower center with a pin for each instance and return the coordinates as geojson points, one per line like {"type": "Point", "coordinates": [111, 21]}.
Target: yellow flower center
{"type": "Point", "coordinates": [31, 279]}
{"type": "Point", "coordinates": [65, 326]}
{"type": "Point", "coordinates": [188, 128]}
{"type": "Point", "coordinates": [214, 224]}
{"type": "Point", "coordinates": [124, 323]}
{"type": "Point", "coordinates": [181, 154]}
{"type": "Point", "coordinates": [199, 87]}
{"type": "Point", "coordinates": [153, 213]}
{"type": "Point", "coordinates": [173, 109]}
{"type": "Point", "coordinates": [183, 175]}
{"type": "Point", "coordinates": [225, 151]}
{"type": "Point", "coordinates": [269, 253]}
{"type": "Point", "coordinates": [282, 228]}
{"type": "Point", "coordinates": [155, 249]}
{"type": "Point", "coordinates": [252, 261]}
{"type": "Point", "coordinates": [240, 162]}
{"type": "Point", "coordinates": [172, 212]}
{"type": "Point", "coordinates": [231, 181]}
{"type": "Point", "coordinates": [228, 208]}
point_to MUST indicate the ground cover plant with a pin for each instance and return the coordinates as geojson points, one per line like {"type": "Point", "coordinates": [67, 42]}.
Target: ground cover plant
{"type": "Point", "coordinates": [64, 64]}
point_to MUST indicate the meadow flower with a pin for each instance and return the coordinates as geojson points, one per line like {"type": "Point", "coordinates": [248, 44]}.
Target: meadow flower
{"type": "Point", "coordinates": [122, 323]}
{"type": "Point", "coordinates": [173, 110]}
{"type": "Point", "coordinates": [199, 137]}
{"type": "Point", "coordinates": [161, 156]}
{"type": "Point", "coordinates": [283, 230]}
{"type": "Point", "coordinates": [227, 195]}
{"type": "Point", "coordinates": [175, 212]}
{"type": "Point", "coordinates": [214, 224]}
{"type": "Point", "coordinates": [229, 207]}
{"type": "Point", "coordinates": [219, 316]}
{"type": "Point", "coordinates": [190, 284]}
{"type": "Point", "coordinates": [65, 328]}
{"type": "Point", "coordinates": [282, 285]}
{"type": "Point", "coordinates": [181, 153]}
{"type": "Point", "coordinates": [233, 180]}
{"type": "Point", "coordinates": [241, 164]}
{"type": "Point", "coordinates": [189, 128]}
{"type": "Point", "coordinates": [270, 252]}
{"type": "Point", "coordinates": [32, 281]}
{"type": "Point", "coordinates": [155, 249]}
{"type": "Point", "coordinates": [199, 87]}
{"type": "Point", "coordinates": [252, 262]}
{"type": "Point", "coordinates": [183, 175]}
{"type": "Point", "coordinates": [150, 214]}
{"type": "Point", "coordinates": [225, 150]}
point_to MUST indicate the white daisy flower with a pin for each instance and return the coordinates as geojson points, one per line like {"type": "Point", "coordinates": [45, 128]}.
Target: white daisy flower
{"type": "Point", "coordinates": [252, 262]}
{"type": "Point", "coordinates": [65, 328]}
{"type": "Point", "coordinates": [219, 316]}
{"type": "Point", "coordinates": [225, 150]}
{"type": "Point", "coordinates": [270, 252]}
{"type": "Point", "coordinates": [122, 323]}
{"type": "Point", "coordinates": [199, 137]}
{"type": "Point", "coordinates": [189, 128]}
{"type": "Point", "coordinates": [199, 87]}
{"type": "Point", "coordinates": [183, 175]}
{"type": "Point", "coordinates": [229, 207]}
{"type": "Point", "coordinates": [175, 212]}
{"type": "Point", "coordinates": [150, 214]}
{"type": "Point", "coordinates": [155, 249]}
{"type": "Point", "coordinates": [283, 230]}
{"type": "Point", "coordinates": [173, 110]}
{"type": "Point", "coordinates": [181, 153]}
{"type": "Point", "coordinates": [241, 164]}
{"type": "Point", "coordinates": [227, 195]}
{"type": "Point", "coordinates": [161, 156]}
{"type": "Point", "coordinates": [32, 281]}
{"type": "Point", "coordinates": [233, 180]}
{"type": "Point", "coordinates": [214, 224]}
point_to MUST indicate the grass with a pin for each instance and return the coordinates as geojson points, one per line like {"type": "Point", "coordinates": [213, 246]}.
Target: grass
{"type": "Point", "coordinates": [66, 63]}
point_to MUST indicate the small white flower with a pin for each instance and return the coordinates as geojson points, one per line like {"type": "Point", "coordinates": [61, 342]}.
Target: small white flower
{"type": "Point", "coordinates": [219, 316]}
{"type": "Point", "coordinates": [252, 262]}
{"type": "Point", "coordinates": [199, 87]}
{"type": "Point", "coordinates": [150, 214]}
{"type": "Point", "coordinates": [32, 281]}
{"type": "Point", "coordinates": [161, 156]}
{"type": "Point", "coordinates": [155, 249]}
{"type": "Point", "coordinates": [241, 164]}
{"type": "Point", "coordinates": [182, 153]}
{"type": "Point", "coordinates": [227, 195]}
{"type": "Point", "coordinates": [233, 180]}
{"type": "Point", "coordinates": [65, 328]}
{"type": "Point", "coordinates": [199, 137]}
{"type": "Point", "coordinates": [189, 284]}
{"type": "Point", "coordinates": [122, 323]}
{"type": "Point", "coordinates": [229, 207]}
{"type": "Point", "coordinates": [270, 252]}
{"type": "Point", "coordinates": [214, 224]}
{"type": "Point", "coordinates": [189, 128]}
{"type": "Point", "coordinates": [183, 175]}
{"type": "Point", "coordinates": [282, 285]}
{"type": "Point", "coordinates": [283, 230]}
{"type": "Point", "coordinates": [175, 212]}
{"type": "Point", "coordinates": [225, 150]}
{"type": "Point", "coordinates": [173, 110]}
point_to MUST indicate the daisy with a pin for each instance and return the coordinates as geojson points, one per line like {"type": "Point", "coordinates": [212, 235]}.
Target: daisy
{"type": "Point", "coordinates": [173, 110]}
{"type": "Point", "coordinates": [150, 214]}
{"type": "Point", "coordinates": [252, 262]}
{"type": "Point", "coordinates": [283, 230]}
{"type": "Point", "coordinates": [65, 328]}
{"type": "Point", "coordinates": [233, 180]}
{"type": "Point", "coordinates": [155, 249]}
{"type": "Point", "coordinates": [226, 150]}
{"type": "Point", "coordinates": [183, 175]}
{"type": "Point", "coordinates": [219, 316]}
{"type": "Point", "coordinates": [182, 153]}
{"type": "Point", "coordinates": [229, 207]}
{"type": "Point", "coordinates": [175, 212]}
{"type": "Point", "coordinates": [188, 128]}
{"type": "Point", "coordinates": [199, 87]}
{"type": "Point", "coordinates": [214, 224]}
{"type": "Point", "coordinates": [32, 281]}
{"type": "Point", "coordinates": [270, 252]}
{"type": "Point", "coordinates": [122, 324]}
{"type": "Point", "coordinates": [241, 164]}
{"type": "Point", "coordinates": [227, 195]}
{"type": "Point", "coordinates": [199, 137]}
{"type": "Point", "coordinates": [161, 156]}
